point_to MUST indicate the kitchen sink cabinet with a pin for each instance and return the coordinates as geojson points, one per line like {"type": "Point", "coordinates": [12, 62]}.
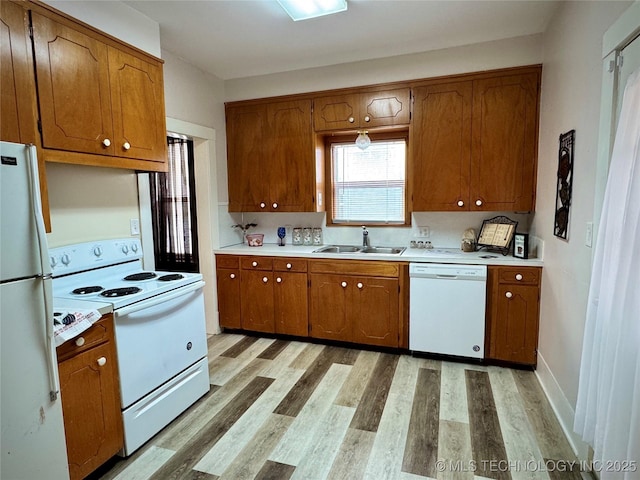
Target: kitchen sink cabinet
{"type": "Point", "coordinates": [513, 314]}
{"type": "Point", "coordinates": [101, 103]}
{"type": "Point", "coordinates": [90, 398]}
{"type": "Point", "coordinates": [362, 110]}
{"type": "Point", "coordinates": [271, 157]}
{"type": "Point", "coordinates": [474, 143]}
{"type": "Point", "coordinates": [228, 282]}
{"type": "Point", "coordinates": [362, 306]}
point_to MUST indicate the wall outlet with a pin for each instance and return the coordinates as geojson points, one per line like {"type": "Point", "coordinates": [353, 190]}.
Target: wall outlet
{"type": "Point", "coordinates": [424, 232]}
{"type": "Point", "coordinates": [588, 238]}
{"type": "Point", "coordinates": [134, 223]}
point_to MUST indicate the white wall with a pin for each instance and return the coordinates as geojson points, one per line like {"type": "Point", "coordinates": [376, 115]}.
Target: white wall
{"type": "Point", "coordinates": [571, 88]}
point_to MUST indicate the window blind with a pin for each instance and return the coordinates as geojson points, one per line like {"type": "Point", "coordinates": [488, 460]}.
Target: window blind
{"type": "Point", "coordinates": [369, 185]}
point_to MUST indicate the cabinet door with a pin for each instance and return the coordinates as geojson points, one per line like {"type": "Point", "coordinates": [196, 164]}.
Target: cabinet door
{"type": "Point", "coordinates": [137, 99]}
{"type": "Point", "coordinates": [441, 147]}
{"type": "Point", "coordinates": [256, 294]}
{"type": "Point", "coordinates": [291, 304]}
{"type": "Point", "coordinates": [385, 109]}
{"type": "Point", "coordinates": [17, 87]}
{"type": "Point", "coordinates": [291, 165]}
{"type": "Point", "coordinates": [514, 328]}
{"type": "Point", "coordinates": [91, 409]}
{"type": "Point", "coordinates": [229, 297]}
{"type": "Point", "coordinates": [245, 155]}
{"type": "Point", "coordinates": [375, 311]}
{"type": "Point", "coordinates": [73, 88]}
{"type": "Point", "coordinates": [338, 112]}
{"type": "Point", "coordinates": [329, 297]}
{"type": "Point", "coordinates": [503, 154]}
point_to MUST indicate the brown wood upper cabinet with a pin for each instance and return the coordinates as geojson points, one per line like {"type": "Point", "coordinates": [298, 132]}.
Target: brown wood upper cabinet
{"type": "Point", "coordinates": [270, 157]}
{"type": "Point", "coordinates": [474, 143]}
{"type": "Point", "coordinates": [362, 110]}
{"type": "Point", "coordinates": [97, 99]}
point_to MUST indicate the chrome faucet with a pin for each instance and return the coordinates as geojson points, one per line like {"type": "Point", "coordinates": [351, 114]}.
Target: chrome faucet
{"type": "Point", "coordinates": [365, 236]}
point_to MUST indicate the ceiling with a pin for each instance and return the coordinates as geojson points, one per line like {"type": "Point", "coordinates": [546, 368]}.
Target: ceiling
{"type": "Point", "coordinates": [242, 38]}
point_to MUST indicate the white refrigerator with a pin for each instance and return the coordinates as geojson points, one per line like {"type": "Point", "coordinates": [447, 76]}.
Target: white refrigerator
{"type": "Point", "coordinates": [33, 443]}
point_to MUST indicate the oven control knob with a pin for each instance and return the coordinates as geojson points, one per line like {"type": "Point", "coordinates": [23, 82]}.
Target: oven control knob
{"type": "Point", "coordinates": [97, 251]}
{"type": "Point", "coordinates": [189, 346]}
{"type": "Point", "coordinates": [134, 247]}
{"type": "Point", "coordinates": [52, 261]}
{"type": "Point", "coordinates": [65, 259]}
{"type": "Point", "coordinates": [125, 249]}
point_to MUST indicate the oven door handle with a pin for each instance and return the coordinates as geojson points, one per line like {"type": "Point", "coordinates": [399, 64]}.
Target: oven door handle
{"type": "Point", "coordinates": [157, 300]}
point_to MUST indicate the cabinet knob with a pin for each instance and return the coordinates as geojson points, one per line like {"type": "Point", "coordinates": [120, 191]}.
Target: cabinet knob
{"type": "Point", "coordinates": [460, 203]}
{"type": "Point", "coordinates": [344, 284]}
{"type": "Point", "coordinates": [265, 279]}
{"type": "Point", "coordinates": [351, 119]}
{"type": "Point", "coordinates": [508, 294]}
{"type": "Point", "coordinates": [367, 118]}
{"type": "Point", "coordinates": [479, 202]}
{"type": "Point", "coordinates": [262, 204]}
{"type": "Point", "coordinates": [289, 266]}
{"type": "Point", "coordinates": [80, 341]}
{"type": "Point", "coordinates": [518, 276]}
{"type": "Point", "coordinates": [126, 145]}
{"type": "Point", "coordinates": [279, 280]}
{"type": "Point", "coordinates": [360, 285]}
{"type": "Point", "coordinates": [232, 275]}
{"type": "Point", "coordinates": [255, 264]}
{"type": "Point", "coordinates": [102, 361]}
{"type": "Point", "coordinates": [106, 142]}
{"type": "Point", "coordinates": [275, 205]}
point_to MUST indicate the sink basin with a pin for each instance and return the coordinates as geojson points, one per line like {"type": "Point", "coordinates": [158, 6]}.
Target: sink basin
{"type": "Point", "coordinates": [384, 250]}
{"type": "Point", "coordinates": [338, 249]}
{"type": "Point", "coordinates": [356, 249]}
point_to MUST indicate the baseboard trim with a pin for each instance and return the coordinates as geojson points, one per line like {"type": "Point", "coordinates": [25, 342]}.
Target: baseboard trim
{"type": "Point", "coordinates": [561, 407]}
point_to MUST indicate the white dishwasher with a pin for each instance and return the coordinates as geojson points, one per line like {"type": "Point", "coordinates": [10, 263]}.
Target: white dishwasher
{"type": "Point", "coordinates": [447, 309]}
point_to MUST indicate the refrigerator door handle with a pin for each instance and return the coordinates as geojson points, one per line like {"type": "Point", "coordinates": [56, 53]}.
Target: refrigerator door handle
{"type": "Point", "coordinates": [36, 202]}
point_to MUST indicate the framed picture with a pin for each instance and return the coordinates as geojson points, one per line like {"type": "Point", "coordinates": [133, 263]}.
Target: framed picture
{"type": "Point", "coordinates": [564, 184]}
{"type": "Point", "coordinates": [521, 245]}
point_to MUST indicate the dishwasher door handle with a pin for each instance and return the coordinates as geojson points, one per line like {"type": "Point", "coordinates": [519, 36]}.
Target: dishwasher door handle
{"type": "Point", "coordinates": [450, 277]}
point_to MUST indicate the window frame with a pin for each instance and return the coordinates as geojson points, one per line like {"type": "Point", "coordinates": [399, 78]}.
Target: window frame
{"type": "Point", "coordinates": [342, 137]}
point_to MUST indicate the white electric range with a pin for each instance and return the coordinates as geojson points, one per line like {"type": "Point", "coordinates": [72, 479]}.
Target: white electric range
{"type": "Point", "coordinates": [159, 321]}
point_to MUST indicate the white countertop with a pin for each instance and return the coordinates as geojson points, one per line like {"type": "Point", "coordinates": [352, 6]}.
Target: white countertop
{"type": "Point", "coordinates": [436, 255]}
{"type": "Point", "coordinates": [70, 304]}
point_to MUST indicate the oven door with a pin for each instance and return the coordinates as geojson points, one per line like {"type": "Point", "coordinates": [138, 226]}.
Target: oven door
{"type": "Point", "coordinates": [158, 338]}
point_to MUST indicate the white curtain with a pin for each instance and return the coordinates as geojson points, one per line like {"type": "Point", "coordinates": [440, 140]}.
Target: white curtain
{"type": "Point", "coordinates": [608, 408]}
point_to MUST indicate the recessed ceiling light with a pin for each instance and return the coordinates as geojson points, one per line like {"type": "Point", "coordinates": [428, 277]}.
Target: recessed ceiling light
{"type": "Point", "coordinates": [304, 9]}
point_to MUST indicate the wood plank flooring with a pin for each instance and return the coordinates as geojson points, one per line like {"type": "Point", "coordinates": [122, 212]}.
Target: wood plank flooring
{"type": "Point", "coordinates": [282, 410]}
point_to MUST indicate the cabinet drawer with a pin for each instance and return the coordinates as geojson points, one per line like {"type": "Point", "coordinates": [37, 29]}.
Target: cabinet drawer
{"type": "Point", "coordinates": [370, 268]}
{"type": "Point", "coordinates": [227, 261]}
{"type": "Point", "coordinates": [257, 263]}
{"type": "Point", "coordinates": [289, 265]}
{"type": "Point", "coordinates": [99, 333]}
{"type": "Point", "coordinates": [520, 276]}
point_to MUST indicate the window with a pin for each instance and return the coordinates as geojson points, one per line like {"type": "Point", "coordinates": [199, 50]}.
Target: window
{"type": "Point", "coordinates": [368, 186]}
{"type": "Point", "coordinates": [173, 210]}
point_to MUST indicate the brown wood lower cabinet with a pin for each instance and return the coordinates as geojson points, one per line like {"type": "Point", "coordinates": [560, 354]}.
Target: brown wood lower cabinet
{"type": "Point", "coordinates": [360, 303]}
{"type": "Point", "coordinates": [90, 398]}
{"type": "Point", "coordinates": [513, 314]}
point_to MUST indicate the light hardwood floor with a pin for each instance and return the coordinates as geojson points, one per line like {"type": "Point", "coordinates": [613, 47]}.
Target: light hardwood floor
{"type": "Point", "coordinates": [282, 409]}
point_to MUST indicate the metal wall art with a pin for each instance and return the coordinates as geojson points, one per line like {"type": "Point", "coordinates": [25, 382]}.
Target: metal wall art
{"type": "Point", "coordinates": [565, 180]}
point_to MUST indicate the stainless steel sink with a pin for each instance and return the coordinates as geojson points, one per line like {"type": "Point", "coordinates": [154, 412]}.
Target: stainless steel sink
{"type": "Point", "coordinates": [384, 250]}
{"type": "Point", "coordinates": [356, 249]}
{"type": "Point", "coordinates": [338, 249]}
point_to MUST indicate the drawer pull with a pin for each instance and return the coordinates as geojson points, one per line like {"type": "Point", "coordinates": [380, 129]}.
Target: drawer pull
{"type": "Point", "coordinates": [460, 203]}
{"type": "Point", "coordinates": [360, 285]}
{"type": "Point", "coordinates": [508, 294]}
{"type": "Point", "coordinates": [275, 205]}
{"type": "Point", "coordinates": [262, 204]}
{"type": "Point", "coordinates": [265, 279]}
{"type": "Point", "coordinates": [126, 145]}
{"type": "Point", "coordinates": [351, 119]}
{"type": "Point", "coordinates": [344, 284]}
{"type": "Point", "coordinates": [289, 266]}
{"type": "Point", "coordinates": [80, 341]}
{"type": "Point", "coordinates": [479, 202]}
{"type": "Point", "coordinates": [255, 264]}
{"type": "Point", "coordinates": [232, 276]}
{"type": "Point", "coordinates": [279, 280]}
{"type": "Point", "coordinates": [518, 276]}
{"type": "Point", "coordinates": [367, 118]}
{"type": "Point", "coordinates": [102, 361]}
{"type": "Point", "coordinates": [106, 142]}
